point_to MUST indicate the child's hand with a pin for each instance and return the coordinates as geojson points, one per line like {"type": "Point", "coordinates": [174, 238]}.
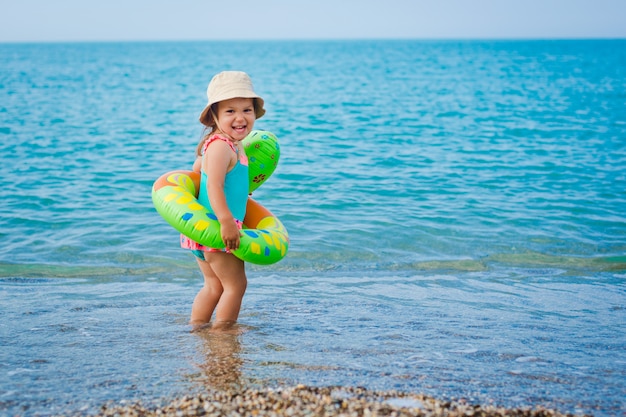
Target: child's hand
{"type": "Point", "coordinates": [230, 234]}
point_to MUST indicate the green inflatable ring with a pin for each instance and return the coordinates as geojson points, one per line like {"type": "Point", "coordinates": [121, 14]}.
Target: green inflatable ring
{"type": "Point", "coordinates": [264, 239]}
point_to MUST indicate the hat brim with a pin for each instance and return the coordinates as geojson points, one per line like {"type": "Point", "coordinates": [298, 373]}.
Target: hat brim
{"type": "Point", "coordinates": [259, 110]}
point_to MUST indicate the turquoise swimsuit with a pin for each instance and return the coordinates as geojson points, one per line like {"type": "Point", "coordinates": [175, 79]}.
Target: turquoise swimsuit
{"type": "Point", "coordinates": [235, 189]}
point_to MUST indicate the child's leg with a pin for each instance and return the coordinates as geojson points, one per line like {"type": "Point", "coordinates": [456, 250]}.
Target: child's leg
{"type": "Point", "coordinates": [208, 297]}
{"type": "Point", "coordinates": [232, 275]}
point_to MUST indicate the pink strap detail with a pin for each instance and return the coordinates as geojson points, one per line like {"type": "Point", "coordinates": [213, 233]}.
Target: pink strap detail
{"type": "Point", "coordinates": [217, 137]}
{"type": "Point", "coordinates": [243, 158]}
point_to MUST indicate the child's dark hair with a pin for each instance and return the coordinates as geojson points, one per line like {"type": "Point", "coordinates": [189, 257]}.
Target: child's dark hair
{"type": "Point", "coordinates": [210, 125]}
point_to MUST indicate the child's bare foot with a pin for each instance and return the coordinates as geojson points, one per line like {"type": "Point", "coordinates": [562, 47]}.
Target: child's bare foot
{"type": "Point", "coordinates": [199, 326]}
{"type": "Point", "coordinates": [224, 327]}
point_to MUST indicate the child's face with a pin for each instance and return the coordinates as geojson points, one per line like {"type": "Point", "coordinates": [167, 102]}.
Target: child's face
{"type": "Point", "coordinates": [236, 117]}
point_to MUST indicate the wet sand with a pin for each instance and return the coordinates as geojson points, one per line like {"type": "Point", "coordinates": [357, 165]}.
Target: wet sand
{"type": "Point", "coordinates": [315, 401]}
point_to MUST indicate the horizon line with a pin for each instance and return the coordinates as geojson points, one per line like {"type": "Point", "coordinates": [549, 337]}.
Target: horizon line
{"type": "Point", "coordinates": [322, 39]}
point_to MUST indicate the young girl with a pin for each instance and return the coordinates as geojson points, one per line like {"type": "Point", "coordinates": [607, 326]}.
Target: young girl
{"type": "Point", "coordinates": [229, 116]}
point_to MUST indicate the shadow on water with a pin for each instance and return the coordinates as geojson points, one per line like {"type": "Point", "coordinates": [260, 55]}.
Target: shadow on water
{"type": "Point", "coordinates": [222, 366]}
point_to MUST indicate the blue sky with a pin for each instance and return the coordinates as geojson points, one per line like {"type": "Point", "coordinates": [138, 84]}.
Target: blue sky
{"type": "Point", "coordinates": [119, 20]}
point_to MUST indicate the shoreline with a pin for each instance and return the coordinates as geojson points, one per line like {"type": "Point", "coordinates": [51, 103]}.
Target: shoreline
{"type": "Point", "coordinates": [304, 400]}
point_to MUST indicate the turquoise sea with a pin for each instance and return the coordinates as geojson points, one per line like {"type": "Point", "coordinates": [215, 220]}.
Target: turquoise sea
{"type": "Point", "coordinates": [457, 215]}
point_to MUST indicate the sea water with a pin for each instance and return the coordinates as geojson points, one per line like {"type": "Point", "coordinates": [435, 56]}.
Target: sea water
{"type": "Point", "coordinates": [456, 213]}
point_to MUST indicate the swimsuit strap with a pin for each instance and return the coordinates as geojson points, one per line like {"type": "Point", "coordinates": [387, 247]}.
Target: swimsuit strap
{"type": "Point", "coordinates": [218, 137]}
{"type": "Point", "coordinates": [243, 158]}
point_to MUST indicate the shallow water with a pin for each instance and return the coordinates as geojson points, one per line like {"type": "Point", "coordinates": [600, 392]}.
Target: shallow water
{"type": "Point", "coordinates": [455, 212]}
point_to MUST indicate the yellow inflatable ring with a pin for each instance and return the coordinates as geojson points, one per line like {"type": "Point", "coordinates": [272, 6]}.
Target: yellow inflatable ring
{"type": "Point", "coordinates": [264, 239]}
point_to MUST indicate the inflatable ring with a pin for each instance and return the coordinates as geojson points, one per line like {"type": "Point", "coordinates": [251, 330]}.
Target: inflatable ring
{"type": "Point", "coordinates": [263, 152]}
{"type": "Point", "coordinates": [264, 239]}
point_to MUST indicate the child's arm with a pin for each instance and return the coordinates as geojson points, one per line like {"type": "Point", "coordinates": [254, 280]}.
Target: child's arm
{"type": "Point", "coordinates": [218, 159]}
{"type": "Point", "coordinates": [197, 164]}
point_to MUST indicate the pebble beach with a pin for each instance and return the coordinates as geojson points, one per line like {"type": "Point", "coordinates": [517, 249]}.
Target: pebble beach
{"type": "Point", "coordinates": [223, 391]}
{"type": "Point", "coordinates": [304, 400]}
